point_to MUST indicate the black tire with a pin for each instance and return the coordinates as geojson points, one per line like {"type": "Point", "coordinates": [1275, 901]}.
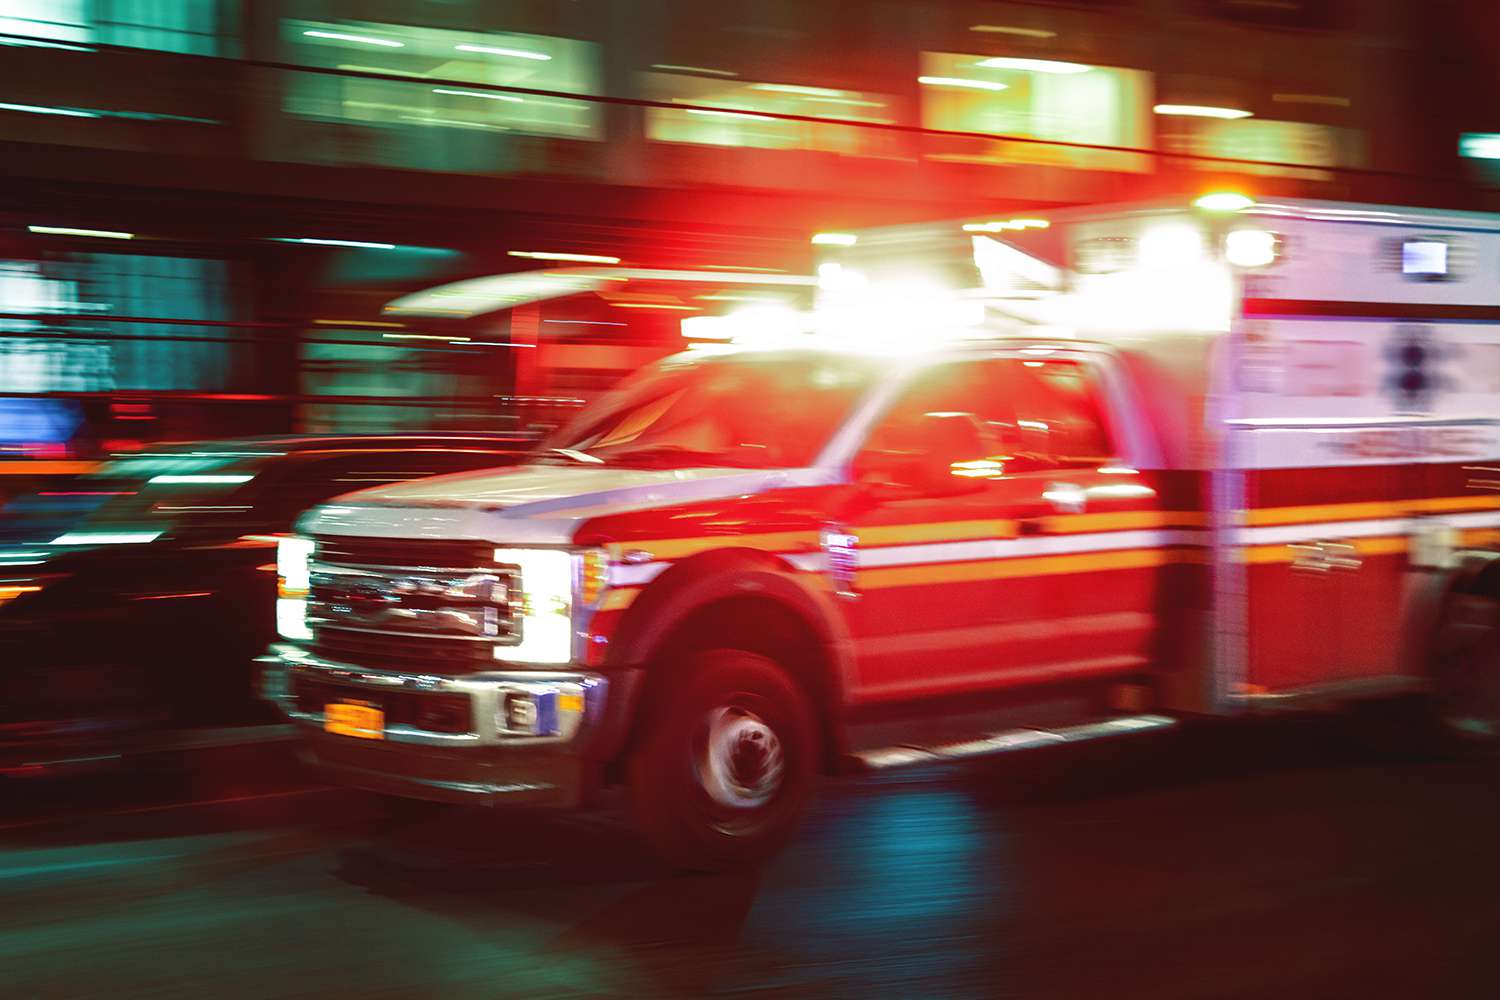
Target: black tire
{"type": "Point", "coordinates": [1465, 665]}
{"type": "Point", "coordinates": [704, 810]}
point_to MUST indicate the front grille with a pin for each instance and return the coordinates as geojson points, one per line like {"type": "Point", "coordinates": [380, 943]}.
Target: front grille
{"type": "Point", "coordinates": [432, 711]}
{"type": "Point", "coordinates": [346, 550]}
{"type": "Point", "coordinates": [437, 607]}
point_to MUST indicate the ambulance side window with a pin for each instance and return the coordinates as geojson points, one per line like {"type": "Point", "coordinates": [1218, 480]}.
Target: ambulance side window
{"type": "Point", "coordinates": [980, 389]}
{"type": "Point", "coordinates": [1058, 414]}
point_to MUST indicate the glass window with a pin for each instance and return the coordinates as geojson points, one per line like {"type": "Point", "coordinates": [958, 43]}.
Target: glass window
{"type": "Point", "coordinates": [745, 101]}
{"type": "Point", "coordinates": [763, 410]}
{"type": "Point", "coordinates": [448, 59]}
{"type": "Point", "coordinates": [1030, 414]}
{"type": "Point", "coordinates": [1038, 99]}
{"type": "Point", "coordinates": [1058, 414]}
{"type": "Point", "coordinates": [163, 25]}
{"type": "Point", "coordinates": [980, 389]}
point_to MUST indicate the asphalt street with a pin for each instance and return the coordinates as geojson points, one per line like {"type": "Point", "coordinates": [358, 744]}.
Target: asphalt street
{"type": "Point", "coordinates": [1258, 861]}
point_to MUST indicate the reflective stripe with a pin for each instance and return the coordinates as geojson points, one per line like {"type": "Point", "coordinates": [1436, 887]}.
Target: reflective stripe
{"type": "Point", "coordinates": [909, 555]}
{"type": "Point", "coordinates": [1381, 508]}
{"type": "Point", "coordinates": [677, 548]}
{"type": "Point", "coordinates": [1002, 569]}
{"type": "Point", "coordinates": [1290, 552]}
{"type": "Point", "coordinates": [1320, 530]}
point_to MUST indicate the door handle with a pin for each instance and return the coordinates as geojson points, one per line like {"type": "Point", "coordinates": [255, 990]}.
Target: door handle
{"type": "Point", "coordinates": [1031, 526]}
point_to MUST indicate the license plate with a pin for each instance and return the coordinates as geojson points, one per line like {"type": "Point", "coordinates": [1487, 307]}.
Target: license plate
{"type": "Point", "coordinates": [354, 718]}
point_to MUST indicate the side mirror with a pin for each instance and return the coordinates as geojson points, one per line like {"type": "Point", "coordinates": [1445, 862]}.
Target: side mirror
{"type": "Point", "coordinates": [926, 466]}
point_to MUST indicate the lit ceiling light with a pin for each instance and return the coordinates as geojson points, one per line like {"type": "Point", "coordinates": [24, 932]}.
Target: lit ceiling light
{"type": "Point", "coordinates": [1479, 145]}
{"type": "Point", "coordinates": [478, 93]}
{"type": "Point", "coordinates": [491, 50]}
{"type": "Point", "coordinates": [958, 81]}
{"type": "Point", "coordinates": [834, 239]}
{"type": "Point", "coordinates": [1005, 29]}
{"type": "Point", "coordinates": [204, 480]}
{"type": "Point", "coordinates": [1200, 111]}
{"type": "Point", "coordinates": [36, 109]}
{"type": "Point", "coordinates": [653, 305]}
{"type": "Point", "coordinates": [1034, 65]}
{"type": "Point", "coordinates": [793, 88]}
{"type": "Point", "coordinates": [708, 113]}
{"type": "Point", "coordinates": [705, 70]}
{"type": "Point", "coordinates": [1224, 201]}
{"type": "Point", "coordinates": [105, 538]}
{"type": "Point", "coordinates": [103, 234]}
{"type": "Point", "coordinates": [337, 243]}
{"type": "Point", "coordinates": [581, 258]}
{"type": "Point", "coordinates": [336, 36]}
{"type": "Point", "coordinates": [1001, 226]}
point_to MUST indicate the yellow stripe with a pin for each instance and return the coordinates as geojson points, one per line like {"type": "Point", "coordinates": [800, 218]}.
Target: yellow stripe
{"type": "Point", "coordinates": [1367, 510]}
{"type": "Point", "coordinates": [1325, 512]}
{"type": "Point", "coordinates": [1288, 551]}
{"type": "Point", "coordinates": [1480, 536]}
{"type": "Point", "coordinates": [940, 531]}
{"type": "Point", "coordinates": [677, 548]}
{"type": "Point", "coordinates": [620, 599]}
{"type": "Point", "coordinates": [1438, 504]}
{"type": "Point", "coordinates": [1063, 524]}
{"type": "Point", "coordinates": [1003, 569]}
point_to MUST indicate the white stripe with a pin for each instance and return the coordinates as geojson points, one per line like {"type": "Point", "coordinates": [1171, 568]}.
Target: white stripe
{"type": "Point", "coordinates": [1103, 541]}
{"type": "Point", "coordinates": [1273, 534]}
{"type": "Point", "coordinates": [1477, 519]}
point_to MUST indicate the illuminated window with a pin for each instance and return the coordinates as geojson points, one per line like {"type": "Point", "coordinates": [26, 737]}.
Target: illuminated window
{"type": "Point", "coordinates": [1268, 142]}
{"type": "Point", "coordinates": [440, 63]}
{"type": "Point", "coordinates": [1037, 99]}
{"type": "Point", "coordinates": [164, 25]}
{"type": "Point", "coordinates": [745, 103]}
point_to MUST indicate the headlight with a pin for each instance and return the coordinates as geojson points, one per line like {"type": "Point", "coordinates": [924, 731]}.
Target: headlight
{"type": "Point", "coordinates": [553, 584]}
{"type": "Point", "coordinates": [293, 553]}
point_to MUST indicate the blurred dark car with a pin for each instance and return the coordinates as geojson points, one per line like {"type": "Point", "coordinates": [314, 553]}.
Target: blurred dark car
{"type": "Point", "coordinates": [133, 599]}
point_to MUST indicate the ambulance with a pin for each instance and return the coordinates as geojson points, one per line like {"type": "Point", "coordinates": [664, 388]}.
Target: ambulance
{"type": "Point", "coordinates": [1010, 482]}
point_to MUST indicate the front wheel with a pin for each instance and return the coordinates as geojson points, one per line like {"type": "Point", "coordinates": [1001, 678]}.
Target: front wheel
{"type": "Point", "coordinates": [726, 764]}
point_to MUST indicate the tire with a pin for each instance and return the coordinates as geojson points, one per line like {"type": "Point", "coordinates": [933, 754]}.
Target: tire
{"type": "Point", "coordinates": [1465, 665]}
{"type": "Point", "coordinates": [726, 763]}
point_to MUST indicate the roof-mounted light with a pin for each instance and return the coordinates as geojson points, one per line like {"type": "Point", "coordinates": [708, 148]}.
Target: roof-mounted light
{"type": "Point", "coordinates": [1224, 201]}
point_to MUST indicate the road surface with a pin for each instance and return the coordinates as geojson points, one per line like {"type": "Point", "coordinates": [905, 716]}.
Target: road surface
{"type": "Point", "coordinates": [1264, 861]}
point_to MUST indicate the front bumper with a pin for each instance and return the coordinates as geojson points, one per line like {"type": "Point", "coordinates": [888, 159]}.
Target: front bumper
{"type": "Point", "coordinates": [447, 738]}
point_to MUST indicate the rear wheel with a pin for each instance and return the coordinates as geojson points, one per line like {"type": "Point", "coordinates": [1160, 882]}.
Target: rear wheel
{"type": "Point", "coordinates": [1466, 672]}
{"type": "Point", "coordinates": [727, 762]}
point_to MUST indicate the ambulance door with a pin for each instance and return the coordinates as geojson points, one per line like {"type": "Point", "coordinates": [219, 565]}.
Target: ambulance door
{"type": "Point", "coordinates": [938, 603]}
{"type": "Point", "coordinates": [1104, 542]}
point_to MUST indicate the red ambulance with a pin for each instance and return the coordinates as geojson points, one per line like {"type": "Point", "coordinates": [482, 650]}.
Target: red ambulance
{"type": "Point", "coordinates": [1012, 482]}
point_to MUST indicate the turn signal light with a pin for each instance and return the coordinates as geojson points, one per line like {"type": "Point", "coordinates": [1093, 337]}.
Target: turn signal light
{"type": "Point", "coordinates": [595, 575]}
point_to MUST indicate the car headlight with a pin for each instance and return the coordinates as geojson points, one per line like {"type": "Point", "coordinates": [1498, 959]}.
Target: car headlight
{"type": "Point", "coordinates": [555, 585]}
{"type": "Point", "coordinates": [293, 580]}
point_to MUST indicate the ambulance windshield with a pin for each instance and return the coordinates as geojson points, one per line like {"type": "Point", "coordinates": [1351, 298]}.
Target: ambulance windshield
{"type": "Point", "coordinates": [756, 410]}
